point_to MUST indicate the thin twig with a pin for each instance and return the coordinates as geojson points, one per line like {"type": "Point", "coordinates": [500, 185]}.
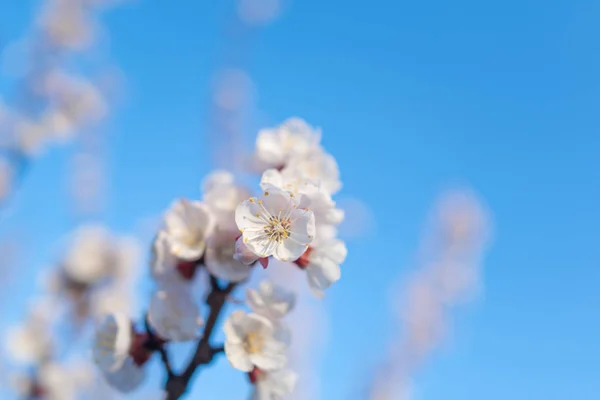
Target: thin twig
{"type": "Point", "coordinates": [158, 344]}
{"type": "Point", "coordinates": [177, 385]}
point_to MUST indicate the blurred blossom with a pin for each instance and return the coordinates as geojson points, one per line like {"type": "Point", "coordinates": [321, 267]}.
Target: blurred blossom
{"type": "Point", "coordinates": [94, 254]}
{"type": "Point", "coordinates": [87, 181]}
{"type": "Point", "coordinates": [174, 314]}
{"type": "Point", "coordinates": [275, 147]}
{"type": "Point", "coordinates": [233, 88]}
{"type": "Point", "coordinates": [270, 300]}
{"type": "Point", "coordinates": [31, 342]}
{"type": "Point", "coordinates": [452, 253]}
{"type": "Point", "coordinates": [220, 258]}
{"type": "Point", "coordinates": [6, 178]}
{"type": "Point", "coordinates": [258, 12]}
{"type": "Point", "coordinates": [67, 24]}
{"type": "Point", "coordinates": [187, 226]}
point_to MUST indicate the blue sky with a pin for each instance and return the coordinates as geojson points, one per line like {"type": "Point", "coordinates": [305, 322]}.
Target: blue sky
{"type": "Point", "coordinates": [413, 97]}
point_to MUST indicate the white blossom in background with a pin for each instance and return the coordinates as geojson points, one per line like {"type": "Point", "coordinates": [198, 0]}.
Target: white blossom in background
{"type": "Point", "coordinates": [217, 179]}
{"type": "Point", "coordinates": [270, 300]}
{"type": "Point", "coordinates": [220, 261]}
{"type": "Point", "coordinates": [31, 341]}
{"type": "Point", "coordinates": [6, 177]}
{"type": "Point", "coordinates": [253, 340]}
{"type": "Point", "coordinates": [274, 385]}
{"type": "Point", "coordinates": [276, 224]}
{"type": "Point", "coordinates": [67, 24]}
{"type": "Point", "coordinates": [59, 382]}
{"type": "Point", "coordinates": [222, 197]}
{"type": "Point", "coordinates": [188, 224]}
{"type": "Point", "coordinates": [174, 314]}
{"type": "Point", "coordinates": [258, 12]}
{"type": "Point", "coordinates": [163, 264]}
{"type": "Point", "coordinates": [318, 166]}
{"type": "Point", "coordinates": [90, 256]}
{"type": "Point", "coordinates": [275, 147]}
{"type": "Point", "coordinates": [112, 342]}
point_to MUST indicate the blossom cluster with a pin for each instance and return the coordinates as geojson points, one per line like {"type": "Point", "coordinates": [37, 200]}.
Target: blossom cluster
{"type": "Point", "coordinates": [222, 238]}
{"type": "Point", "coordinates": [93, 276]}
{"type": "Point", "coordinates": [52, 101]}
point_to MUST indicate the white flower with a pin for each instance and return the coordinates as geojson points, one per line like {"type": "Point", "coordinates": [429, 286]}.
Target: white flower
{"type": "Point", "coordinates": [110, 299]}
{"type": "Point", "coordinates": [318, 199]}
{"type": "Point", "coordinates": [276, 225]}
{"type": "Point", "coordinates": [219, 259]}
{"type": "Point", "coordinates": [68, 26]}
{"type": "Point", "coordinates": [270, 300]}
{"type": "Point", "coordinates": [112, 342]}
{"type": "Point", "coordinates": [127, 378]}
{"type": "Point", "coordinates": [274, 385]}
{"type": "Point", "coordinates": [318, 166]}
{"type": "Point", "coordinates": [322, 264]}
{"type": "Point", "coordinates": [173, 313]}
{"type": "Point", "coordinates": [275, 146]}
{"type": "Point", "coordinates": [222, 199]}
{"type": "Point", "coordinates": [253, 340]}
{"type": "Point", "coordinates": [217, 178]}
{"type": "Point", "coordinates": [31, 342]}
{"type": "Point", "coordinates": [57, 382]}
{"type": "Point", "coordinates": [188, 225]}
{"type": "Point", "coordinates": [163, 264]}
{"type": "Point", "coordinates": [90, 256]}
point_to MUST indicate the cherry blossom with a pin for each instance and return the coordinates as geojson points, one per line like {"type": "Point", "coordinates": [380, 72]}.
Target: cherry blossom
{"type": "Point", "coordinates": [318, 199]}
{"type": "Point", "coordinates": [112, 342]}
{"type": "Point", "coordinates": [276, 224]}
{"type": "Point", "coordinates": [270, 300]}
{"type": "Point", "coordinates": [294, 137]}
{"type": "Point", "coordinates": [220, 258]}
{"type": "Point", "coordinates": [253, 340]}
{"type": "Point", "coordinates": [318, 166]}
{"type": "Point", "coordinates": [173, 313]}
{"type": "Point", "coordinates": [322, 264]}
{"type": "Point", "coordinates": [273, 385]}
{"type": "Point", "coordinates": [222, 197]}
{"type": "Point", "coordinates": [188, 224]}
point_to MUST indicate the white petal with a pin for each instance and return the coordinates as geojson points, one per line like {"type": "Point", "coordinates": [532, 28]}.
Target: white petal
{"type": "Point", "coordinates": [271, 178]}
{"type": "Point", "coordinates": [174, 314]}
{"type": "Point", "coordinates": [112, 341]}
{"type": "Point", "coordinates": [220, 262]}
{"type": "Point", "coordinates": [216, 179]}
{"type": "Point", "coordinates": [322, 273]}
{"type": "Point", "coordinates": [270, 300]}
{"type": "Point", "coordinates": [243, 253]}
{"type": "Point", "coordinates": [272, 357]}
{"type": "Point", "coordinates": [127, 378]}
{"type": "Point", "coordinates": [237, 356]}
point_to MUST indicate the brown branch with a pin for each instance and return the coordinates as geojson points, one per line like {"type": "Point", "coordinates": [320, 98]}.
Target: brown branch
{"type": "Point", "coordinates": [157, 344]}
{"type": "Point", "coordinates": [177, 385]}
